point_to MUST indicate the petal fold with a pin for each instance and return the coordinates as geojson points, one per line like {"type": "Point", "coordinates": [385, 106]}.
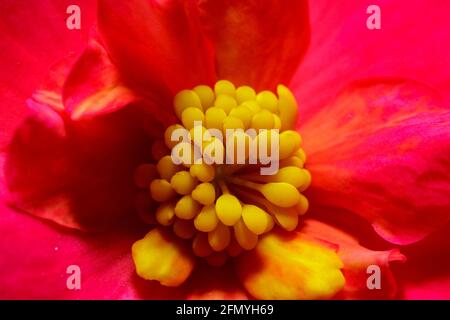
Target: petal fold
{"type": "Point", "coordinates": [359, 262]}
{"type": "Point", "coordinates": [257, 43]}
{"type": "Point", "coordinates": [157, 45]}
{"type": "Point", "coordinates": [382, 150]}
{"type": "Point", "coordinates": [77, 173]}
{"type": "Point", "coordinates": [34, 37]}
{"type": "Point", "coordinates": [93, 86]}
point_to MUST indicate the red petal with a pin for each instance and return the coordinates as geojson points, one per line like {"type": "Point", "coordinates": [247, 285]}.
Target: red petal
{"type": "Point", "coordinates": [94, 86]}
{"type": "Point", "coordinates": [215, 283]}
{"type": "Point", "coordinates": [413, 42]}
{"type": "Point", "coordinates": [258, 43]}
{"type": "Point", "coordinates": [426, 274]}
{"type": "Point", "coordinates": [383, 151]}
{"type": "Point", "coordinates": [357, 259]}
{"type": "Point", "coordinates": [157, 45]}
{"type": "Point", "coordinates": [77, 173]}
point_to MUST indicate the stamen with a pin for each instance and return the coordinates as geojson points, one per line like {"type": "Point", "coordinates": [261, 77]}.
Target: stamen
{"type": "Point", "coordinates": [267, 100]}
{"type": "Point", "coordinates": [183, 183]}
{"type": "Point", "coordinates": [186, 99]}
{"type": "Point", "coordinates": [165, 214]}
{"type": "Point", "coordinates": [291, 175]}
{"type": "Point", "coordinates": [281, 194]}
{"type": "Point", "coordinates": [226, 103]}
{"type": "Point", "coordinates": [224, 87]}
{"type": "Point", "coordinates": [220, 237]}
{"type": "Point", "coordinates": [206, 220]}
{"type": "Point", "coordinates": [245, 93]}
{"type": "Point", "coordinates": [205, 193]}
{"type": "Point", "coordinates": [255, 218]}
{"type": "Point", "coordinates": [206, 95]}
{"type": "Point", "coordinates": [245, 238]}
{"type": "Point", "coordinates": [223, 208]}
{"type": "Point", "coordinates": [187, 208]}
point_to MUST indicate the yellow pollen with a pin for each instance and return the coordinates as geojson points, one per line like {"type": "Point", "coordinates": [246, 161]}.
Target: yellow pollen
{"type": "Point", "coordinates": [222, 209]}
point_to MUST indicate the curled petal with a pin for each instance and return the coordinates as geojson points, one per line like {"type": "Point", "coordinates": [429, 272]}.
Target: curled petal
{"type": "Point", "coordinates": [157, 45]}
{"type": "Point", "coordinates": [382, 150]}
{"type": "Point", "coordinates": [34, 38]}
{"type": "Point", "coordinates": [77, 173]}
{"type": "Point", "coordinates": [291, 266]}
{"type": "Point", "coordinates": [359, 262]}
{"type": "Point", "coordinates": [258, 43]}
{"type": "Point", "coordinates": [94, 86]}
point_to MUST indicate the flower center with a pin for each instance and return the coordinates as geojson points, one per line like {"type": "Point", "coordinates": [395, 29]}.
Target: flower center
{"type": "Point", "coordinates": [230, 171]}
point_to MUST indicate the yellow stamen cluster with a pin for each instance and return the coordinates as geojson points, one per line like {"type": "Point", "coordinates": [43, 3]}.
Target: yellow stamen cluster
{"type": "Point", "coordinates": [224, 209]}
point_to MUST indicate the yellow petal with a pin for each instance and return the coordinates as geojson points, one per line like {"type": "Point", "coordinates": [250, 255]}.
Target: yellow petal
{"type": "Point", "coordinates": [290, 266]}
{"type": "Point", "coordinates": [162, 257]}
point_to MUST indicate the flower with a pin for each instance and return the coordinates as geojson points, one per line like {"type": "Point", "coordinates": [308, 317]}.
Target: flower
{"type": "Point", "coordinates": [377, 149]}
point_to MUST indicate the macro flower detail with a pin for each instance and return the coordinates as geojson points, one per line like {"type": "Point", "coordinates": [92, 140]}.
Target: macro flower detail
{"type": "Point", "coordinates": [114, 149]}
{"type": "Point", "coordinates": [217, 194]}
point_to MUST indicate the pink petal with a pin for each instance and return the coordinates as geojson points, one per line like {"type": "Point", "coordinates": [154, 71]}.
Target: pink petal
{"type": "Point", "coordinates": [35, 258]}
{"type": "Point", "coordinates": [357, 259]}
{"type": "Point", "coordinates": [157, 45]}
{"type": "Point", "coordinates": [431, 289]}
{"type": "Point", "coordinates": [413, 42]}
{"type": "Point", "coordinates": [258, 43]}
{"type": "Point", "coordinates": [382, 151]}
{"type": "Point", "coordinates": [36, 255]}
